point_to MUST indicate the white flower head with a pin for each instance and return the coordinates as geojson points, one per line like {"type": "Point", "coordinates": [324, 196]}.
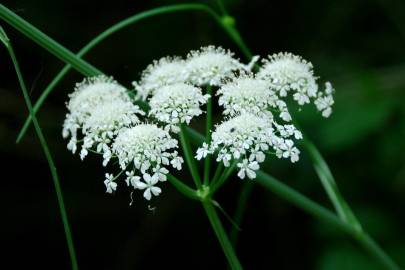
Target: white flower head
{"type": "Point", "coordinates": [177, 103]}
{"type": "Point", "coordinates": [145, 151]}
{"type": "Point", "coordinates": [253, 95]}
{"type": "Point", "coordinates": [87, 95]}
{"type": "Point", "coordinates": [163, 72]}
{"type": "Point", "coordinates": [290, 73]}
{"type": "Point", "coordinates": [104, 123]}
{"type": "Point", "coordinates": [210, 65]}
{"type": "Point", "coordinates": [245, 137]}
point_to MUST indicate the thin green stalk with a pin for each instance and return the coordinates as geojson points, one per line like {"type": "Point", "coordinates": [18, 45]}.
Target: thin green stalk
{"type": "Point", "coordinates": [183, 188]}
{"type": "Point", "coordinates": [221, 235]}
{"type": "Point", "coordinates": [225, 175]}
{"type": "Point", "coordinates": [46, 42]}
{"type": "Point", "coordinates": [46, 150]}
{"type": "Point", "coordinates": [188, 154]}
{"type": "Point", "coordinates": [318, 211]}
{"type": "Point", "coordinates": [107, 33]}
{"type": "Point", "coordinates": [218, 172]}
{"type": "Point", "coordinates": [241, 206]}
{"type": "Point", "coordinates": [330, 186]}
{"type": "Point", "coordinates": [208, 127]}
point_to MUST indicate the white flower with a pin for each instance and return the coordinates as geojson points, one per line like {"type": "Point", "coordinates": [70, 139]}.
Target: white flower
{"type": "Point", "coordinates": [132, 179]}
{"type": "Point", "coordinates": [288, 72]}
{"type": "Point", "coordinates": [88, 95]}
{"type": "Point", "coordinates": [146, 150]}
{"type": "Point", "coordinates": [289, 151]}
{"type": "Point", "coordinates": [210, 65]}
{"type": "Point", "coordinates": [202, 152]}
{"type": "Point", "coordinates": [325, 100]}
{"type": "Point", "coordinates": [253, 95]}
{"type": "Point", "coordinates": [248, 137]}
{"type": "Point", "coordinates": [104, 123]}
{"type": "Point", "coordinates": [248, 168]}
{"type": "Point", "coordinates": [163, 72]}
{"type": "Point", "coordinates": [109, 183]}
{"type": "Point", "coordinates": [149, 186]}
{"type": "Point", "coordinates": [177, 103]}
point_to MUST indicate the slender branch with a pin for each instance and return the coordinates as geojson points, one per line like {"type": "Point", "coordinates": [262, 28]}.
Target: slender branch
{"type": "Point", "coordinates": [321, 212]}
{"type": "Point", "coordinates": [208, 127]}
{"type": "Point", "coordinates": [188, 154]}
{"type": "Point", "coordinates": [221, 235]}
{"type": "Point", "coordinates": [183, 188]}
{"type": "Point", "coordinates": [241, 205]}
{"type": "Point", "coordinates": [215, 185]}
{"type": "Point", "coordinates": [46, 150]}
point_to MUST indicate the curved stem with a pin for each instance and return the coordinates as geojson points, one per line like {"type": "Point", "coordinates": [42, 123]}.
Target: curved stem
{"type": "Point", "coordinates": [188, 155]}
{"type": "Point", "coordinates": [48, 155]}
{"type": "Point", "coordinates": [31, 32]}
{"type": "Point", "coordinates": [208, 127]}
{"type": "Point", "coordinates": [321, 212]}
{"type": "Point", "coordinates": [221, 235]}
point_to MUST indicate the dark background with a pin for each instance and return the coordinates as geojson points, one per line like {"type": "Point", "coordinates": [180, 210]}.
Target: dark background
{"type": "Point", "coordinates": [357, 45]}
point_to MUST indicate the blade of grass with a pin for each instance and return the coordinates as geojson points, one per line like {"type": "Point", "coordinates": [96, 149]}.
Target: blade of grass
{"type": "Point", "coordinates": [330, 186]}
{"type": "Point", "coordinates": [46, 150]}
{"type": "Point", "coordinates": [314, 209]}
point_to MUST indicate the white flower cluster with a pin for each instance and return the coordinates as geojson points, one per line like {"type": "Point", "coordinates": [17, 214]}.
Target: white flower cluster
{"type": "Point", "coordinates": [104, 119]}
{"type": "Point", "coordinates": [163, 72]}
{"type": "Point", "coordinates": [101, 112]}
{"type": "Point", "coordinates": [249, 94]}
{"type": "Point", "coordinates": [211, 65]}
{"type": "Point", "coordinates": [290, 73]}
{"type": "Point", "coordinates": [145, 150]}
{"type": "Point", "coordinates": [246, 138]}
{"type": "Point", "coordinates": [177, 103]}
{"type": "Point", "coordinates": [98, 108]}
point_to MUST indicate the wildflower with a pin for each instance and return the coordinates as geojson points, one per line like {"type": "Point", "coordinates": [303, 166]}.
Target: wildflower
{"type": "Point", "coordinates": [104, 123]}
{"type": "Point", "coordinates": [245, 137]}
{"type": "Point", "coordinates": [177, 103]}
{"type": "Point", "coordinates": [109, 183]}
{"type": "Point", "coordinates": [149, 186]}
{"type": "Point", "coordinates": [89, 94]}
{"type": "Point", "coordinates": [210, 65]}
{"type": "Point", "coordinates": [253, 95]}
{"type": "Point", "coordinates": [146, 150]}
{"type": "Point", "coordinates": [290, 73]}
{"type": "Point", "coordinates": [325, 100]}
{"type": "Point", "coordinates": [163, 72]}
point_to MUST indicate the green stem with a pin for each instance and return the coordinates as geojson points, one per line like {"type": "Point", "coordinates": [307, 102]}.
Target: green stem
{"type": "Point", "coordinates": [47, 152]}
{"type": "Point", "coordinates": [314, 209]}
{"type": "Point", "coordinates": [208, 127]}
{"type": "Point", "coordinates": [188, 154]}
{"type": "Point", "coordinates": [330, 186]}
{"type": "Point", "coordinates": [183, 188]}
{"type": "Point", "coordinates": [221, 235]}
{"type": "Point", "coordinates": [241, 205]}
{"type": "Point", "coordinates": [215, 185]}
